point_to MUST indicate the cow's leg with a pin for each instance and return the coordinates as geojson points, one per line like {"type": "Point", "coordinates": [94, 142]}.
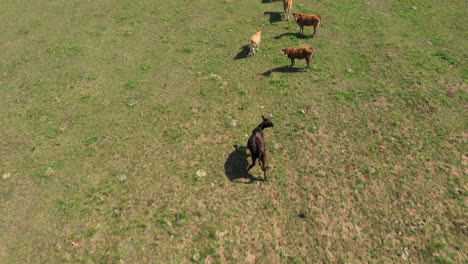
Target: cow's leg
{"type": "Point", "coordinates": [315, 29]}
{"type": "Point", "coordinates": [254, 158]}
{"type": "Point", "coordinates": [292, 62]}
{"type": "Point", "coordinates": [308, 61]}
{"type": "Point", "coordinates": [262, 163]}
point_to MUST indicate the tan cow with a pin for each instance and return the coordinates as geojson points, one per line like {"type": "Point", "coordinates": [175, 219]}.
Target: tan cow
{"type": "Point", "coordinates": [307, 20]}
{"type": "Point", "coordinates": [304, 52]}
{"type": "Point", "coordinates": [254, 43]}
{"type": "Point", "coordinates": [287, 6]}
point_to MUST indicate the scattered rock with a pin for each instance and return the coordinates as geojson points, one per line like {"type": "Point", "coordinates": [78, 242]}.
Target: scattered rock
{"type": "Point", "coordinates": [277, 146]}
{"type": "Point", "coordinates": [6, 175]}
{"type": "Point", "coordinates": [221, 235]}
{"type": "Point", "coordinates": [44, 118]}
{"type": "Point", "coordinates": [132, 102]}
{"type": "Point", "coordinates": [64, 126]}
{"type": "Point", "coordinates": [208, 259]}
{"type": "Point", "coordinates": [414, 8]}
{"type": "Point", "coordinates": [49, 172]}
{"type": "Point", "coordinates": [418, 225]}
{"type": "Point", "coordinates": [201, 173]}
{"type": "Point", "coordinates": [78, 243]}
{"type": "Point", "coordinates": [117, 212]}
{"type": "Point", "coordinates": [233, 123]}
{"type": "Point", "coordinates": [214, 76]}
{"type": "Point", "coordinates": [194, 110]}
{"type": "Point", "coordinates": [196, 256]}
{"type": "Point", "coordinates": [224, 85]}
{"type": "Point", "coordinates": [459, 190]}
{"type": "Point", "coordinates": [405, 254]}
{"type": "Point", "coordinates": [122, 177]}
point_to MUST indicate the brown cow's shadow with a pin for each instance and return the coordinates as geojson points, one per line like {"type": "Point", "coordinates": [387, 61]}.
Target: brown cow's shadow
{"type": "Point", "coordinates": [284, 69]}
{"type": "Point", "coordinates": [268, 1]}
{"type": "Point", "coordinates": [297, 35]}
{"type": "Point", "coordinates": [274, 16]}
{"type": "Point", "coordinates": [244, 53]}
{"type": "Point", "coordinates": [236, 165]}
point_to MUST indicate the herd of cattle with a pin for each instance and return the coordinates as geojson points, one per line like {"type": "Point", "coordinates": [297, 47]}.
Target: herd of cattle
{"type": "Point", "coordinates": [304, 52]}
{"type": "Point", "coordinates": [256, 142]}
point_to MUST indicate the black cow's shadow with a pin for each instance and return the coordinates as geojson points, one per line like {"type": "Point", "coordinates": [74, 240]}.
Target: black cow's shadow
{"type": "Point", "coordinates": [284, 69]}
{"type": "Point", "coordinates": [236, 166]}
{"type": "Point", "coordinates": [244, 53]}
{"type": "Point", "coordinates": [274, 16]}
{"type": "Point", "coordinates": [297, 35]}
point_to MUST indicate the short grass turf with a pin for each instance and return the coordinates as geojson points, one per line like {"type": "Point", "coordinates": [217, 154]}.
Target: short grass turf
{"type": "Point", "coordinates": [109, 108]}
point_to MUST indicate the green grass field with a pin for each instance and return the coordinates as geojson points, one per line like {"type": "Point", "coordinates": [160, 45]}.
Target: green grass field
{"type": "Point", "coordinates": [109, 108]}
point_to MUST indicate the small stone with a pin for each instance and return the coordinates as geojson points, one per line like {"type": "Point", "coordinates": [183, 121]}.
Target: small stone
{"type": "Point", "coordinates": [224, 85]}
{"type": "Point", "coordinates": [233, 123]}
{"type": "Point", "coordinates": [414, 8]}
{"type": "Point", "coordinates": [44, 118]}
{"type": "Point", "coordinates": [6, 175]}
{"type": "Point", "coordinates": [49, 172]}
{"type": "Point", "coordinates": [64, 126]}
{"type": "Point", "coordinates": [194, 110]}
{"type": "Point", "coordinates": [201, 173]}
{"type": "Point", "coordinates": [122, 177]}
{"type": "Point", "coordinates": [277, 146]}
{"type": "Point", "coordinates": [196, 256]}
{"type": "Point", "coordinates": [405, 254]}
{"type": "Point", "coordinates": [132, 102]}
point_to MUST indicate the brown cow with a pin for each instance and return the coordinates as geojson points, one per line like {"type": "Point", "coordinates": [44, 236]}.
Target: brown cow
{"type": "Point", "coordinates": [254, 42]}
{"type": "Point", "coordinates": [304, 52]}
{"type": "Point", "coordinates": [307, 20]}
{"type": "Point", "coordinates": [287, 6]}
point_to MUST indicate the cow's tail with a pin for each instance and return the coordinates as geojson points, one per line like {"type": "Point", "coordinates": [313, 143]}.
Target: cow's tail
{"type": "Point", "coordinates": [320, 21]}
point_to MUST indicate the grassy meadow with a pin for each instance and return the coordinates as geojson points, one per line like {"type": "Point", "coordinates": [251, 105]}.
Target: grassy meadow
{"type": "Point", "coordinates": [124, 125]}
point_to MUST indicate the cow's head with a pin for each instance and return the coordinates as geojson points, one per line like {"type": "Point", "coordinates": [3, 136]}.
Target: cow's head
{"type": "Point", "coordinates": [285, 52]}
{"type": "Point", "coordinates": [266, 122]}
{"type": "Point", "coordinates": [296, 16]}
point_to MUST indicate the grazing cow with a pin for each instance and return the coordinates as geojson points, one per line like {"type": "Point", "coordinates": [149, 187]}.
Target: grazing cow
{"type": "Point", "coordinates": [287, 6]}
{"type": "Point", "coordinates": [307, 20]}
{"type": "Point", "coordinates": [254, 43]}
{"type": "Point", "coordinates": [256, 145]}
{"type": "Point", "coordinates": [304, 52]}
